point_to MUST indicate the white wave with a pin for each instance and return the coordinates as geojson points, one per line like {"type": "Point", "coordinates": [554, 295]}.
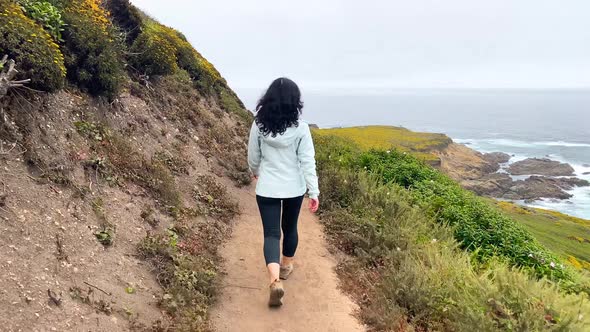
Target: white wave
{"type": "Point", "coordinates": [519, 144]}
{"type": "Point", "coordinates": [566, 144]}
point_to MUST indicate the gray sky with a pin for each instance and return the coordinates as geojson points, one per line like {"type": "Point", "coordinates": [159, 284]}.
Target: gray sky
{"type": "Point", "coordinates": [330, 44]}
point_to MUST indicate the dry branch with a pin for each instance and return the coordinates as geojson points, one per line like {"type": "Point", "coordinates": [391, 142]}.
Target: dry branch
{"type": "Point", "coordinates": [7, 74]}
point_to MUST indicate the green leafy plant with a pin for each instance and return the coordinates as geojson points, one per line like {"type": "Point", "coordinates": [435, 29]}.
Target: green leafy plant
{"type": "Point", "coordinates": [105, 236]}
{"type": "Point", "coordinates": [91, 130]}
{"type": "Point", "coordinates": [46, 14]}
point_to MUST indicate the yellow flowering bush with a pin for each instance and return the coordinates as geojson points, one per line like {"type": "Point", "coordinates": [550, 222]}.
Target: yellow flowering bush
{"type": "Point", "coordinates": [37, 55]}
{"type": "Point", "coordinates": [161, 50]}
{"type": "Point", "coordinates": [154, 52]}
{"type": "Point", "coordinates": [93, 55]}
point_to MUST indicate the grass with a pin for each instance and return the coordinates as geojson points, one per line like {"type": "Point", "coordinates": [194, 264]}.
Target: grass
{"type": "Point", "coordinates": [563, 234]}
{"type": "Point", "coordinates": [385, 137]}
{"type": "Point", "coordinates": [410, 267]}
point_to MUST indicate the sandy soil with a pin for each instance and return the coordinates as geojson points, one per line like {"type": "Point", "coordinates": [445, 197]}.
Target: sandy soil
{"type": "Point", "coordinates": [312, 301]}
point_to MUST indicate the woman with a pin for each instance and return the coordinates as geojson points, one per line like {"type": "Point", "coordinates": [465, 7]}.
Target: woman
{"type": "Point", "coordinates": [281, 156]}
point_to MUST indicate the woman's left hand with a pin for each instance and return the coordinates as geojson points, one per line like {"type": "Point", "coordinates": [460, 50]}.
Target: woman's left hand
{"type": "Point", "coordinates": [314, 204]}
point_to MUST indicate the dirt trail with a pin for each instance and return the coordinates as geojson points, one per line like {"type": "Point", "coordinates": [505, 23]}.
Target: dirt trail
{"type": "Point", "coordinates": [312, 301]}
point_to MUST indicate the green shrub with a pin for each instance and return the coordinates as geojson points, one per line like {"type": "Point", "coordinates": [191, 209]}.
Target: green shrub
{"type": "Point", "coordinates": [153, 53]}
{"type": "Point", "coordinates": [36, 54]}
{"type": "Point", "coordinates": [46, 14]}
{"type": "Point", "coordinates": [232, 104]}
{"type": "Point", "coordinates": [161, 50]}
{"type": "Point", "coordinates": [93, 56]}
{"type": "Point", "coordinates": [478, 226]}
{"type": "Point", "coordinates": [127, 17]}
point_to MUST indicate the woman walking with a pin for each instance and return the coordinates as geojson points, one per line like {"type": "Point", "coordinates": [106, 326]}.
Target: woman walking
{"type": "Point", "coordinates": [282, 157]}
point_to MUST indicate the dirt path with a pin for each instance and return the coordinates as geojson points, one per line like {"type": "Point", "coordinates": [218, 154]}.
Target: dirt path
{"type": "Point", "coordinates": [312, 301]}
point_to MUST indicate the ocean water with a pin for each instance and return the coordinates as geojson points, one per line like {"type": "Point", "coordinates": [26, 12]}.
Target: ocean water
{"type": "Point", "coordinates": [523, 123]}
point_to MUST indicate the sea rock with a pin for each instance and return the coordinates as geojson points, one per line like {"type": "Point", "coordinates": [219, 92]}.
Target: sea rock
{"type": "Point", "coordinates": [586, 173]}
{"type": "Point", "coordinates": [497, 157]}
{"type": "Point", "coordinates": [501, 185]}
{"type": "Point", "coordinates": [569, 183]}
{"type": "Point", "coordinates": [540, 166]}
{"type": "Point", "coordinates": [494, 185]}
{"type": "Point", "coordinates": [536, 187]}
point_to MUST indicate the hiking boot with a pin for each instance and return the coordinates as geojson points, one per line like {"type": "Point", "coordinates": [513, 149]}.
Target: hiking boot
{"type": "Point", "coordinates": [276, 294]}
{"type": "Point", "coordinates": [286, 271]}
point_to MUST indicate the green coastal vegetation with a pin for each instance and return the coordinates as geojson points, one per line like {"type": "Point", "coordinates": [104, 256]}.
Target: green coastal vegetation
{"type": "Point", "coordinates": [429, 255]}
{"type": "Point", "coordinates": [384, 137]}
{"type": "Point", "coordinates": [567, 236]}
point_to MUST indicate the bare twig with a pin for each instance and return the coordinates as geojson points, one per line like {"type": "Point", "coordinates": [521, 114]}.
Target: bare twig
{"type": "Point", "coordinates": [55, 190]}
{"type": "Point", "coordinates": [33, 178]}
{"type": "Point", "coordinates": [239, 286]}
{"type": "Point", "coordinates": [61, 253]}
{"type": "Point", "coordinates": [95, 287]}
{"type": "Point", "coordinates": [5, 211]}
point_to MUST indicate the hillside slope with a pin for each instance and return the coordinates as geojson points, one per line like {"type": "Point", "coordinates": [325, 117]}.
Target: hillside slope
{"type": "Point", "coordinates": [114, 166]}
{"type": "Point", "coordinates": [422, 253]}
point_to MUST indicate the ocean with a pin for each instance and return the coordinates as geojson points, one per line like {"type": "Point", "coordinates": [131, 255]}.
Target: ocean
{"type": "Point", "coordinates": [524, 123]}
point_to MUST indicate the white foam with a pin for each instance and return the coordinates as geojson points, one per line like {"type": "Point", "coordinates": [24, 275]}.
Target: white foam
{"type": "Point", "coordinates": [562, 143]}
{"type": "Point", "coordinates": [520, 144]}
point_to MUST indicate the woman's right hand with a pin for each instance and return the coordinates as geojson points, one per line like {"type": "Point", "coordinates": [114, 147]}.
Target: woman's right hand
{"type": "Point", "coordinates": [314, 204]}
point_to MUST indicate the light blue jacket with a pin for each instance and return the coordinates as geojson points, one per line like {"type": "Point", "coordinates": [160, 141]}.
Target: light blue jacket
{"type": "Point", "coordinates": [285, 164]}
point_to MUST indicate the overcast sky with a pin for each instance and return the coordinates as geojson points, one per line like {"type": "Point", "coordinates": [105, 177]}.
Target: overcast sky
{"type": "Point", "coordinates": [331, 44]}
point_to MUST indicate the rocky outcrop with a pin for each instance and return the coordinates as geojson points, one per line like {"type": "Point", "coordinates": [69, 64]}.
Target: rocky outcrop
{"type": "Point", "coordinates": [541, 166]}
{"type": "Point", "coordinates": [501, 185]}
{"type": "Point", "coordinates": [463, 163]}
{"type": "Point", "coordinates": [536, 187]}
{"type": "Point", "coordinates": [494, 185]}
{"type": "Point", "coordinates": [482, 174]}
{"type": "Point", "coordinates": [497, 157]}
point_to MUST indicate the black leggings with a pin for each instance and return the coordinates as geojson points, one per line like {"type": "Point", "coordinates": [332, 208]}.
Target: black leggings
{"type": "Point", "coordinates": [270, 211]}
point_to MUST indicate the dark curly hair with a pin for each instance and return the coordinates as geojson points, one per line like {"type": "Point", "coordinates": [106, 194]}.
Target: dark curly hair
{"type": "Point", "coordinates": [279, 108]}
